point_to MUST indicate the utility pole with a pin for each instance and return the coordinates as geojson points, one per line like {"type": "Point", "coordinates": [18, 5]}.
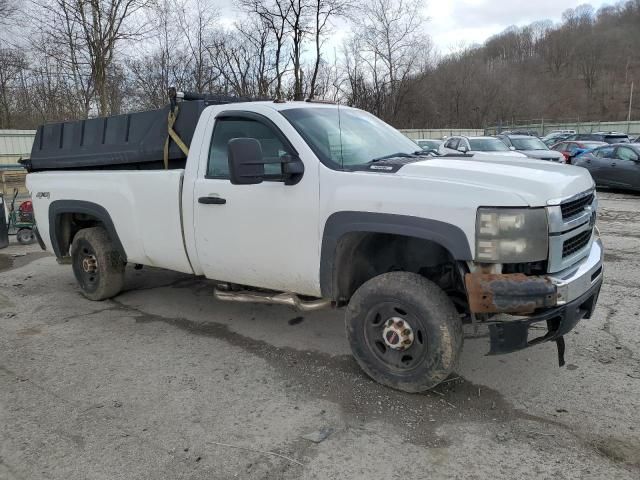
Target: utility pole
{"type": "Point", "coordinates": [630, 100]}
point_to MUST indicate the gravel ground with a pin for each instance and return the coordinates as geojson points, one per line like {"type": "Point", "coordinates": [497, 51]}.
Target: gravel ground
{"type": "Point", "coordinates": [166, 382]}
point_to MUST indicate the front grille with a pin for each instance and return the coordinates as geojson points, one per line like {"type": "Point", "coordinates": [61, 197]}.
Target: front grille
{"type": "Point", "coordinates": [574, 244]}
{"type": "Point", "coordinates": [574, 207]}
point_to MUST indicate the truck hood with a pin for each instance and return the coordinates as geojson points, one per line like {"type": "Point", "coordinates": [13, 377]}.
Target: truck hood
{"type": "Point", "coordinates": [543, 154]}
{"type": "Point", "coordinates": [537, 182]}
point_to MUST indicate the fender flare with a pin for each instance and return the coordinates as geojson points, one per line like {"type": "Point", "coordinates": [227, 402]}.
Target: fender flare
{"type": "Point", "coordinates": [59, 207]}
{"type": "Point", "coordinates": [449, 236]}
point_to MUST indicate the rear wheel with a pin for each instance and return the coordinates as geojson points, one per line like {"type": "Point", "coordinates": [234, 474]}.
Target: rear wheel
{"type": "Point", "coordinates": [25, 236]}
{"type": "Point", "coordinates": [404, 331]}
{"type": "Point", "coordinates": [97, 264]}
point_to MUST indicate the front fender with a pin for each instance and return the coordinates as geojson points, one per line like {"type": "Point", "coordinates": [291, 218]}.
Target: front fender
{"type": "Point", "coordinates": [449, 236]}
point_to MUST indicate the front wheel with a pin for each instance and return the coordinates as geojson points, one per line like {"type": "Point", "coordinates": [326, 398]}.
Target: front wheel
{"type": "Point", "coordinates": [404, 331]}
{"type": "Point", "coordinates": [97, 264]}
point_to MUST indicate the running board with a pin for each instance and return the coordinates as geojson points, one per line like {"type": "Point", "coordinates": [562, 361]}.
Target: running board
{"type": "Point", "coordinates": [273, 298]}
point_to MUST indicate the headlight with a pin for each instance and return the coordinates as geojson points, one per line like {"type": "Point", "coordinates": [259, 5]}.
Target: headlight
{"type": "Point", "coordinates": [511, 235]}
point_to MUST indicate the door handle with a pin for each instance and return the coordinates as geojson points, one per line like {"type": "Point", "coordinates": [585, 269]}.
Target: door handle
{"type": "Point", "coordinates": [212, 200]}
{"type": "Point", "coordinates": [613, 164]}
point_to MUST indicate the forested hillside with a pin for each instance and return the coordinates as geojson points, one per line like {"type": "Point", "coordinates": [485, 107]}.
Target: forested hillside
{"type": "Point", "coordinates": [581, 69]}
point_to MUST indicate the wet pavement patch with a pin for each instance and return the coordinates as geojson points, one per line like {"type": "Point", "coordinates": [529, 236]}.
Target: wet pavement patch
{"type": "Point", "coordinates": [9, 262]}
{"type": "Point", "coordinates": [6, 262]}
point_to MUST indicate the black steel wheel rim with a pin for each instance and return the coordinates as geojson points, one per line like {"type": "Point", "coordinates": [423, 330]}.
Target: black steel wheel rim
{"type": "Point", "coordinates": [87, 267]}
{"type": "Point", "coordinates": [395, 360]}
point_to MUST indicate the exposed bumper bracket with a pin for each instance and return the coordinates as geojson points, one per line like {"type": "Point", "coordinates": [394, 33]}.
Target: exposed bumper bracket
{"type": "Point", "coordinates": [509, 293]}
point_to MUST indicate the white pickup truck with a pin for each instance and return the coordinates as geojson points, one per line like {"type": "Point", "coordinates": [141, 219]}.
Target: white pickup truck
{"type": "Point", "coordinates": [318, 205]}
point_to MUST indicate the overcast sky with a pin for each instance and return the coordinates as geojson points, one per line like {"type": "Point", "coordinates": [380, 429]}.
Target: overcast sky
{"type": "Point", "coordinates": [456, 23]}
{"type": "Point", "coordinates": [473, 21]}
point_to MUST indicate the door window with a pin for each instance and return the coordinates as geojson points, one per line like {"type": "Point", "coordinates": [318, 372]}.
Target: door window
{"type": "Point", "coordinates": [452, 143]}
{"type": "Point", "coordinates": [606, 152]}
{"type": "Point", "coordinates": [226, 129]}
{"type": "Point", "coordinates": [626, 154]}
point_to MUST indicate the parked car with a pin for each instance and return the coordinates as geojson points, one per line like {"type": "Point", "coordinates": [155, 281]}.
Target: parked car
{"type": "Point", "coordinates": [429, 144]}
{"type": "Point", "coordinates": [561, 132]}
{"type": "Point", "coordinates": [615, 166]}
{"type": "Point", "coordinates": [319, 206]}
{"type": "Point", "coordinates": [532, 133]}
{"type": "Point", "coordinates": [607, 137]}
{"type": "Point", "coordinates": [531, 147]}
{"type": "Point", "coordinates": [476, 145]}
{"type": "Point", "coordinates": [572, 149]}
{"type": "Point", "coordinates": [557, 136]}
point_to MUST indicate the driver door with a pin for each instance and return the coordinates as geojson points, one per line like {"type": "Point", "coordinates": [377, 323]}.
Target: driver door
{"type": "Point", "coordinates": [599, 164]}
{"type": "Point", "coordinates": [263, 235]}
{"type": "Point", "coordinates": [624, 169]}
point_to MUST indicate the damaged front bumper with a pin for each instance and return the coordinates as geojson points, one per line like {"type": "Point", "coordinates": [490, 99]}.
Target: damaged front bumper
{"type": "Point", "coordinates": [561, 300]}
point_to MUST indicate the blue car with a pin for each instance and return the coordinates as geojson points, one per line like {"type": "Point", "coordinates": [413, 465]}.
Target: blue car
{"type": "Point", "coordinates": [571, 149]}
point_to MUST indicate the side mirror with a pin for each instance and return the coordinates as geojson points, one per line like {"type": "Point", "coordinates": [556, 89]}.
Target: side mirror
{"type": "Point", "coordinates": [246, 166]}
{"type": "Point", "coordinates": [463, 149]}
{"type": "Point", "coordinates": [292, 170]}
{"type": "Point", "coordinates": [512, 148]}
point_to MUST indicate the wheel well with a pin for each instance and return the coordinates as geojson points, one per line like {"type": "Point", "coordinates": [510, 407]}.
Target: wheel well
{"type": "Point", "coordinates": [68, 224]}
{"type": "Point", "coordinates": [68, 217]}
{"type": "Point", "coordinates": [360, 256]}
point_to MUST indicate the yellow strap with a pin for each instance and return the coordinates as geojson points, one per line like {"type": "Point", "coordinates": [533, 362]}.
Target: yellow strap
{"type": "Point", "coordinates": [171, 120]}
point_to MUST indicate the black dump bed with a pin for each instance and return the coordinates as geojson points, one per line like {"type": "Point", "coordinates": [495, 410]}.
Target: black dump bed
{"type": "Point", "coordinates": [131, 141]}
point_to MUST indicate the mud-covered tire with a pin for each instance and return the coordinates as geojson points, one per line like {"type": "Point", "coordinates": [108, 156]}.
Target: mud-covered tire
{"type": "Point", "coordinates": [25, 236]}
{"type": "Point", "coordinates": [435, 327]}
{"type": "Point", "coordinates": [97, 264]}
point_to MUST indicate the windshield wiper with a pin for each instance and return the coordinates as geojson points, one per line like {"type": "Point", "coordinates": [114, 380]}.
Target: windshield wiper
{"type": "Point", "coordinates": [393, 155]}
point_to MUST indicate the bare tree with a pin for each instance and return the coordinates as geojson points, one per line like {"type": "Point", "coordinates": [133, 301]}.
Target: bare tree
{"type": "Point", "coordinates": [274, 15]}
{"type": "Point", "coordinates": [244, 62]}
{"type": "Point", "coordinates": [393, 47]}
{"type": "Point", "coordinates": [323, 12]}
{"type": "Point", "coordinates": [92, 31]}
{"type": "Point", "coordinates": [196, 23]}
{"type": "Point", "coordinates": [7, 8]}
{"type": "Point", "coordinates": [258, 36]}
{"type": "Point", "coordinates": [12, 63]}
{"type": "Point", "coordinates": [297, 18]}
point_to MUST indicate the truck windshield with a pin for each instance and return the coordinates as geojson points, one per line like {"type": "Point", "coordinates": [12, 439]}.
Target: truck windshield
{"type": "Point", "coordinates": [344, 137]}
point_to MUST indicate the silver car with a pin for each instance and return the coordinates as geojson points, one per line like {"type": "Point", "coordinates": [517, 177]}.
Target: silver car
{"type": "Point", "coordinates": [532, 147]}
{"type": "Point", "coordinates": [476, 146]}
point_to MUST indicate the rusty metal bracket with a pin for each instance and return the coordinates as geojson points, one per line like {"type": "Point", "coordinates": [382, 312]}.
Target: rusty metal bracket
{"type": "Point", "coordinates": [509, 293]}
